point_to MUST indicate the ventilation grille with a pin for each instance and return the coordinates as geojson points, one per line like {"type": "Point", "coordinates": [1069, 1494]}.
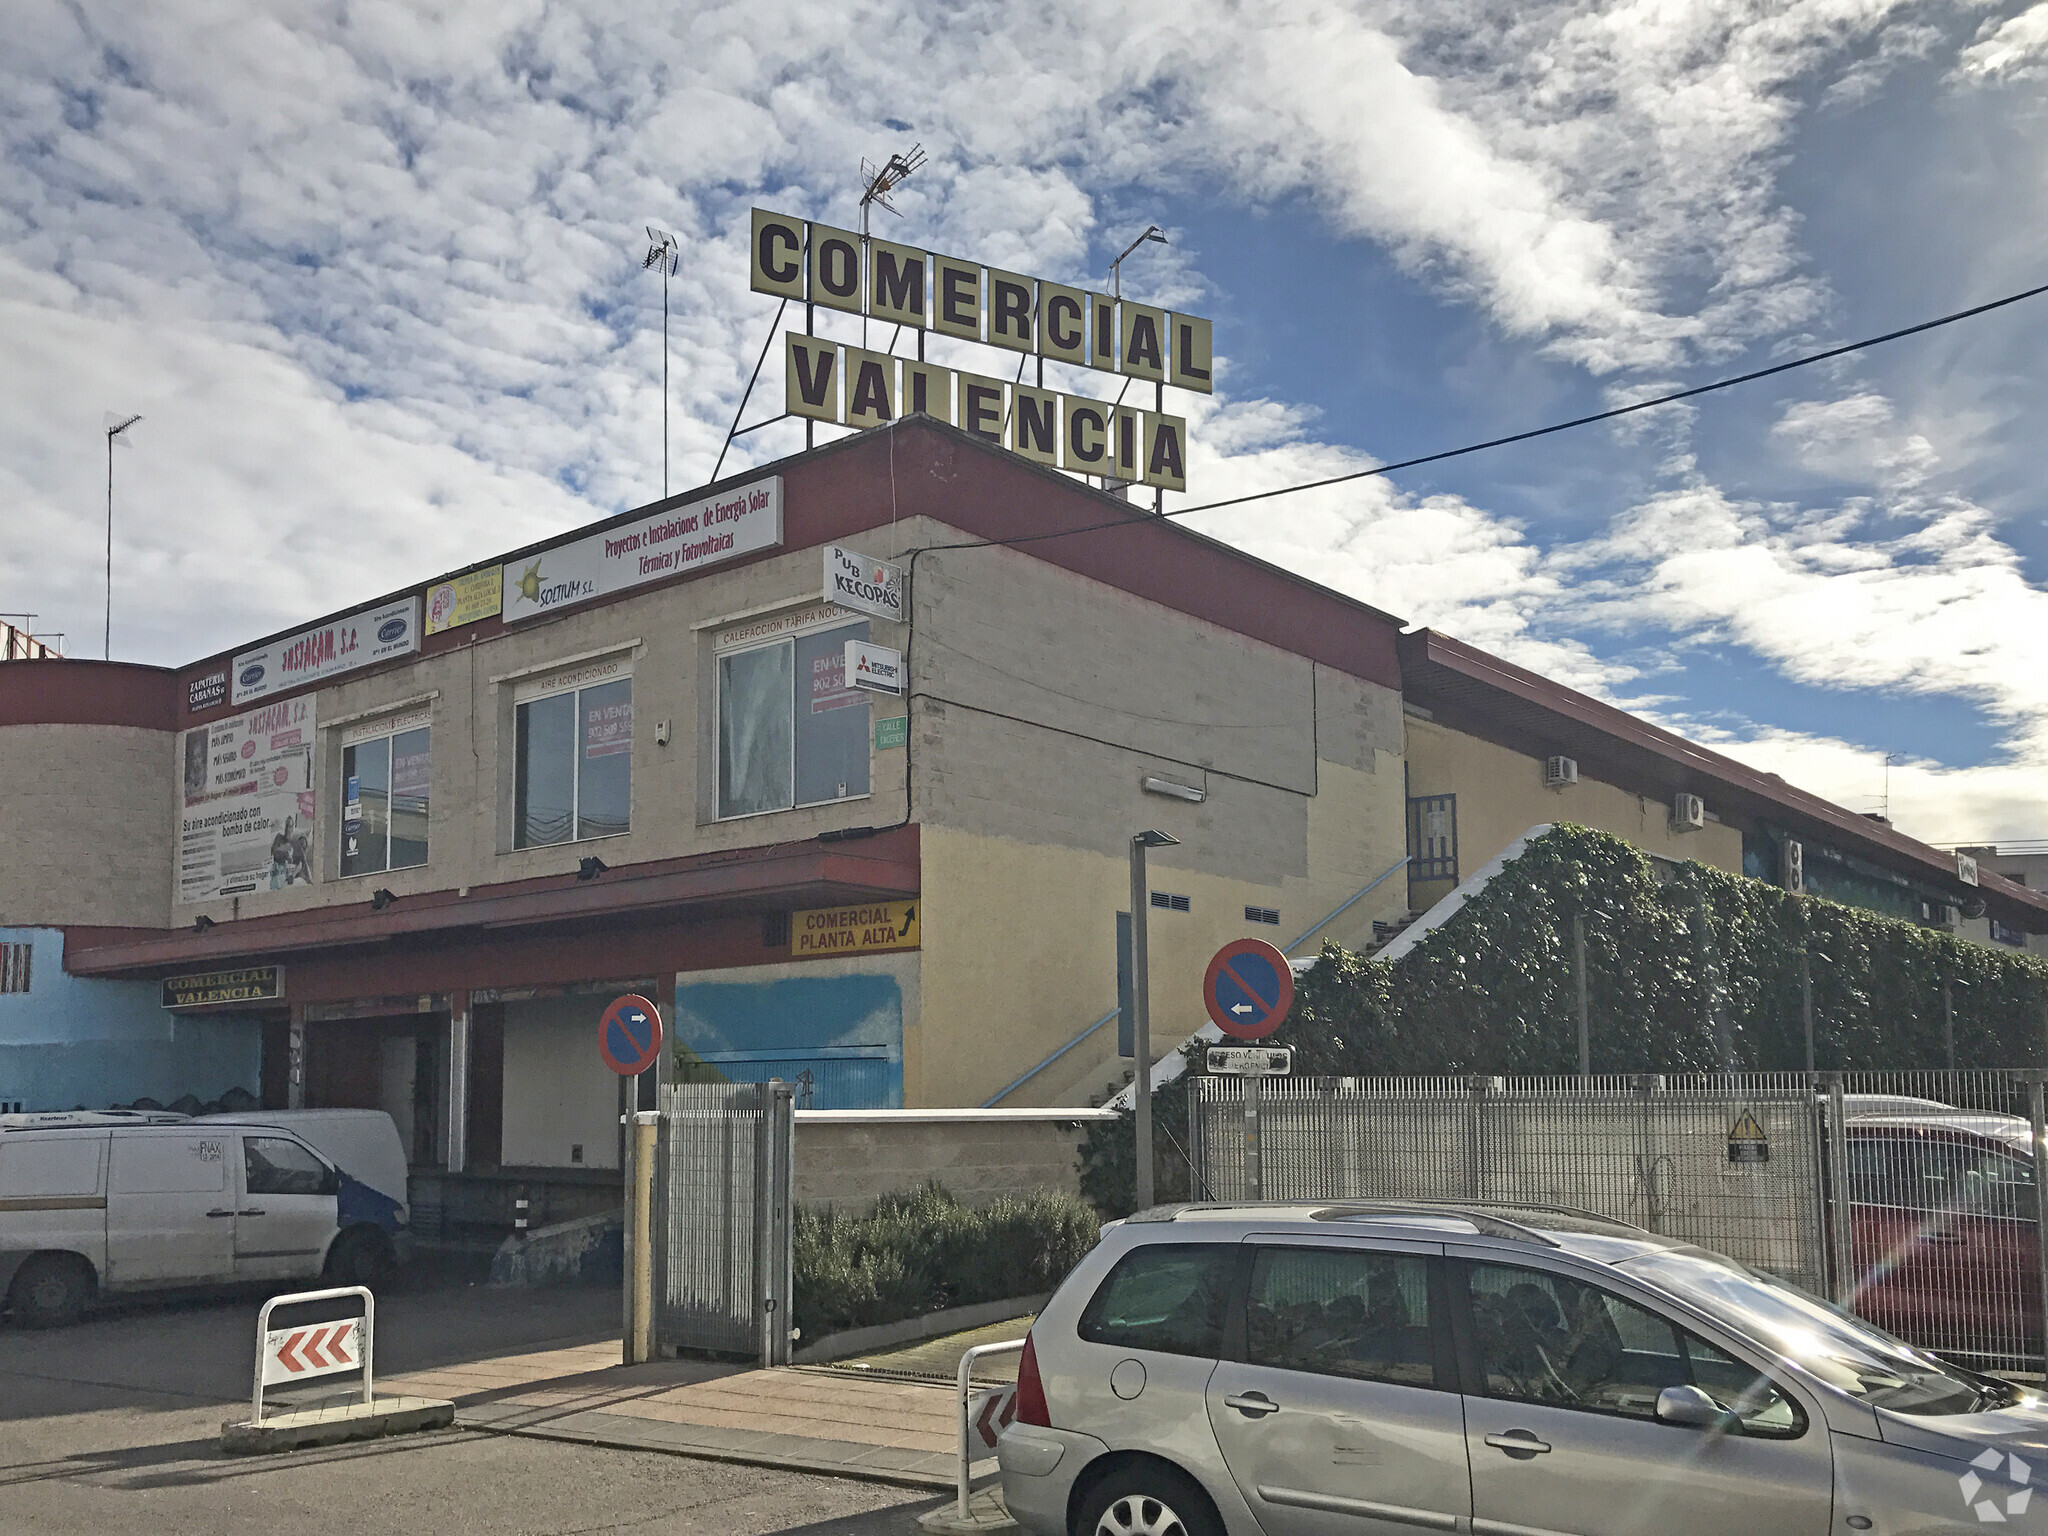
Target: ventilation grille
{"type": "Point", "coordinates": [1168, 902]}
{"type": "Point", "coordinates": [1262, 915]}
{"type": "Point", "coordinates": [14, 964]}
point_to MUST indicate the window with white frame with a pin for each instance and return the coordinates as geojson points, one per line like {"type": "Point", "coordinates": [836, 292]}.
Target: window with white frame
{"type": "Point", "coordinates": [791, 730]}
{"type": "Point", "coordinates": [384, 795]}
{"type": "Point", "coordinates": [573, 775]}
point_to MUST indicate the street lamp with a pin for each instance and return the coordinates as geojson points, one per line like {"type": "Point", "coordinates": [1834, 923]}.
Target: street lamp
{"type": "Point", "coordinates": [1141, 1005]}
{"type": "Point", "coordinates": [665, 251]}
{"type": "Point", "coordinates": [114, 431]}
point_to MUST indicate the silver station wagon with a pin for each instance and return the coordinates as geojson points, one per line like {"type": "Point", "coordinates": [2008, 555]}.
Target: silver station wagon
{"type": "Point", "coordinates": [1340, 1370]}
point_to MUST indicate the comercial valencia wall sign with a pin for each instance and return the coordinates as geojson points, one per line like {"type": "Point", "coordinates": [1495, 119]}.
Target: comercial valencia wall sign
{"type": "Point", "coordinates": [901, 285]}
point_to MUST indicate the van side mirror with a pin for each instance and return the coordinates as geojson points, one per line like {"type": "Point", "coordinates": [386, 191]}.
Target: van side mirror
{"type": "Point", "coordinates": [1692, 1408]}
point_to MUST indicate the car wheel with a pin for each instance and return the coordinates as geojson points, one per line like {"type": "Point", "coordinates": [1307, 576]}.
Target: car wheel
{"type": "Point", "coordinates": [359, 1257]}
{"type": "Point", "coordinates": [51, 1290]}
{"type": "Point", "coordinates": [1147, 1500]}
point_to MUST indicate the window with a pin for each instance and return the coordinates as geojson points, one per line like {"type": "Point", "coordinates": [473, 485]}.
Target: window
{"type": "Point", "coordinates": [168, 1165]}
{"type": "Point", "coordinates": [1342, 1312]}
{"type": "Point", "coordinates": [1432, 837]}
{"type": "Point", "coordinates": [273, 1166]}
{"type": "Point", "coordinates": [791, 730]}
{"type": "Point", "coordinates": [574, 769]}
{"type": "Point", "coordinates": [1167, 1297]}
{"type": "Point", "coordinates": [1913, 1174]}
{"type": "Point", "coordinates": [14, 966]}
{"type": "Point", "coordinates": [1545, 1338]}
{"type": "Point", "coordinates": [384, 802]}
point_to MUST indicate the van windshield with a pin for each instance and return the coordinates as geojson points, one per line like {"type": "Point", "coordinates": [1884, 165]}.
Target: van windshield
{"type": "Point", "coordinates": [1844, 1351]}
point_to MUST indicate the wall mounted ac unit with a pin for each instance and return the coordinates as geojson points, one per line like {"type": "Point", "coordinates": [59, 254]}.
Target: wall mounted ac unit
{"type": "Point", "coordinates": [1792, 865]}
{"type": "Point", "coordinates": [1688, 813]}
{"type": "Point", "coordinates": [1560, 771]}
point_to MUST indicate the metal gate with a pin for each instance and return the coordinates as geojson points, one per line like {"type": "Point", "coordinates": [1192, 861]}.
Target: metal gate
{"type": "Point", "coordinates": [722, 1229]}
{"type": "Point", "coordinates": [1911, 1199]}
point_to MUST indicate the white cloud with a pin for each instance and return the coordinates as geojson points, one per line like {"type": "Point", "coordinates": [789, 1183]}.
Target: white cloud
{"type": "Point", "coordinates": [2016, 48]}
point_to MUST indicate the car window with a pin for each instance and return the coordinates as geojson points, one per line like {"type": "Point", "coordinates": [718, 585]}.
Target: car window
{"type": "Point", "coordinates": [1342, 1312]}
{"type": "Point", "coordinates": [1168, 1297]}
{"type": "Point", "coordinates": [274, 1166]}
{"type": "Point", "coordinates": [1916, 1174]}
{"type": "Point", "coordinates": [169, 1165]}
{"type": "Point", "coordinates": [1546, 1338]}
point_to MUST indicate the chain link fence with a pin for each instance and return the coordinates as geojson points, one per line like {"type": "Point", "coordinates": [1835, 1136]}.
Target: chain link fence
{"type": "Point", "coordinates": [1911, 1198]}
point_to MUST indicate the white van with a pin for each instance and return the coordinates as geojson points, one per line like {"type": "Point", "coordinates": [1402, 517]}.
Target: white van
{"type": "Point", "coordinates": [117, 1204]}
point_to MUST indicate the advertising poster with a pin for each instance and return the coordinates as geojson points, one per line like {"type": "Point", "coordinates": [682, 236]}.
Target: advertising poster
{"type": "Point", "coordinates": [452, 604]}
{"type": "Point", "coordinates": [607, 723]}
{"type": "Point", "coordinates": [686, 538]}
{"type": "Point", "coordinates": [246, 809]}
{"type": "Point", "coordinates": [360, 640]}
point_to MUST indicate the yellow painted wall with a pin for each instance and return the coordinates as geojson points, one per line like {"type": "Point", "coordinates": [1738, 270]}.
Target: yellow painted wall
{"type": "Point", "coordinates": [1501, 795]}
{"type": "Point", "coordinates": [1019, 939]}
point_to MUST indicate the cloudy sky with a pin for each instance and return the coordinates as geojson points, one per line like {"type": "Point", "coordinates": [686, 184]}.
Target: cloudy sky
{"type": "Point", "coordinates": [371, 273]}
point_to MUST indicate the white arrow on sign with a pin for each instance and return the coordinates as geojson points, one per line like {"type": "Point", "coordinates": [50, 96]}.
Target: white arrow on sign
{"type": "Point", "coordinates": [1242, 1008]}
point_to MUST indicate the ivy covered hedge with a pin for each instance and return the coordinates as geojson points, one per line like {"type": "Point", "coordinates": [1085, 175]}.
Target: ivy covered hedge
{"type": "Point", "coordinates": [1696, 972]}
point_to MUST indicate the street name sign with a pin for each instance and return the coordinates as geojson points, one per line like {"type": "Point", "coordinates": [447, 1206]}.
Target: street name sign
{"type": "Point", "coordinates": [1250, 1060]}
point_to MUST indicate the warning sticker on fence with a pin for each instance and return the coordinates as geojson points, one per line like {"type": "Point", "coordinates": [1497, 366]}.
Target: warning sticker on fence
{"type": "Point", "coordinates": [1747, 1143]}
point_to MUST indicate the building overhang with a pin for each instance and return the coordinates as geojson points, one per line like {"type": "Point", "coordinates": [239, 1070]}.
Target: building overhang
{"type": "Point", "coordinates": [876, 866]}
{"type": "Point", "coordinates": [1468, 690]}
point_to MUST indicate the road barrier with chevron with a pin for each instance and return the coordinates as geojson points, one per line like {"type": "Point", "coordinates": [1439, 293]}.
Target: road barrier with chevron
{"type": "Point", "coordinates": [309, 1350]}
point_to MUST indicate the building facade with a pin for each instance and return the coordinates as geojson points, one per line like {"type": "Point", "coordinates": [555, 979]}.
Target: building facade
{"type": "Point", "coordinates": [402, 858]}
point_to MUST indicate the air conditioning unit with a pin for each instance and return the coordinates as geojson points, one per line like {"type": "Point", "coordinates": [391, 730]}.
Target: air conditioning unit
{"type": "Point", "coordinates": [1688, 813]}
{"type": "Point", "coordinates": [1560, 771]}
{"type": "Point", "coordinates": [1792, 864]}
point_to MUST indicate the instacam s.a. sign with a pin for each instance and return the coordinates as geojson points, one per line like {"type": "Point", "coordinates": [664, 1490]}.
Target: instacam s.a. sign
{"type": "Point", "coordinates": [671, 542]}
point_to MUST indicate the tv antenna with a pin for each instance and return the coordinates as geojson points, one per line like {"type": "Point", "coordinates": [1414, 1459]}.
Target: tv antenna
{"type": "Point", "coordinates": [664, 251]}
{"type": "Point", "coordinates": [877, 184]}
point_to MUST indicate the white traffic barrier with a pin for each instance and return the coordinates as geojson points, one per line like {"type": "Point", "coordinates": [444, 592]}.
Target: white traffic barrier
{"type": "Point", "coordinates": [983, 1419]}
{"type": "Point", "coordinates": [285, 1355]}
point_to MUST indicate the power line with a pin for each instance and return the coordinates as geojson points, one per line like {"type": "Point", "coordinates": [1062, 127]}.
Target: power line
{"type": "Point", "coordinates": [1523, 437]}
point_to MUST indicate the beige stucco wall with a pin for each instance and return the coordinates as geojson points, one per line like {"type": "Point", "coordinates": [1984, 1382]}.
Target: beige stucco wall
{"type": "Point", "coordinates": [846, 1158]}
{"type": "Point", "coordinates": [1501, 795]}
{"type": "Point", "coordinates": [86, 819]}
{"type": "Point", "coordinates": [1049, 700]}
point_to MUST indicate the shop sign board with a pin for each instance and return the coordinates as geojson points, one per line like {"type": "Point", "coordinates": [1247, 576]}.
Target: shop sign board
{"type": "Point", "coordinates": [208, 692]}
{"type": "Point", "coordinates": [361, 639]}
{"type": "Point", "coordinates": [465, 599]}
{"type": "Point", "coordinates": [867, 586]}
{"type": "Point", "coordinates": [213, 989]}
{"type": "Point", "coordinates": [246, 808]}
{"type": "Point", "coordinates": [874, 667]}
{"type": "Point", "coordinates": [864, 929]}
{"type": "Point", "coordinates": [671, 542]}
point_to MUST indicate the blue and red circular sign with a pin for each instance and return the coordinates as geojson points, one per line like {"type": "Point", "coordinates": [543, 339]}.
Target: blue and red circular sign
{"type": "Point", "coordinates": [1248, 989]}
{"type": "Point", "coordinates": [629, 1035]}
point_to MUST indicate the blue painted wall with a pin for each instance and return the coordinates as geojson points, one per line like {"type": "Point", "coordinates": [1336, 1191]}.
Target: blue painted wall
{"type": "Point", "coordinates": [839, 1038]}
{"type": "Point", "coordinates": [71, 1042]}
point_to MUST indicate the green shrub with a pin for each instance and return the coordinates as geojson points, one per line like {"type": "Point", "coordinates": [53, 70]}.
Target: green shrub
{"type": "Point", "coordinates": [924, 1251]}
{"type": "Point", "coordinates": [1696, 972]}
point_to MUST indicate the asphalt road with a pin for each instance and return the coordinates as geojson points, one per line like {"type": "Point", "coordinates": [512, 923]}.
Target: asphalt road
{"type": "Point", "coordinates": [114, 1426]}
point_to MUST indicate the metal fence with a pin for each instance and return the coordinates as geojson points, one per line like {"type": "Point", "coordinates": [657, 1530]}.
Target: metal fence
{"type": "Point", "coordinates": [722, 1249]}
{"type": "Point", "coordinates": [1909, 1197]}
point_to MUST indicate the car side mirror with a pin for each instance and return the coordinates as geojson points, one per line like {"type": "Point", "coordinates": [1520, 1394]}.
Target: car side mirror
{"type": "Point", "coordinates": [1691, 1407]}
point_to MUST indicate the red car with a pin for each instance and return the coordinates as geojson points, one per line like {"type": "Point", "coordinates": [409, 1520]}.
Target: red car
{"type": "Point", "coordinates": [1943, 1228]}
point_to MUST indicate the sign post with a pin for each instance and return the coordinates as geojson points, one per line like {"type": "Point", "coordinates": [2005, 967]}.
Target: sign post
{"type": "Point", "coordinates": [1248, 989]}
{"type": "Point", "coordinates": [629, 1042]}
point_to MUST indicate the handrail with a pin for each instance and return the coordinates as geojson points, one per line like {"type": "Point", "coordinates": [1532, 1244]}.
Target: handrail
{"type": "Point", "coordinates": [1003, 1093]}
{"type": "Point", "coordinates": [1009, 1346]}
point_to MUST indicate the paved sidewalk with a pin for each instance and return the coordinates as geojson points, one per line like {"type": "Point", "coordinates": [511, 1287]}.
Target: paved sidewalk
{"type": "Point", "coordinates": [812, 1419]}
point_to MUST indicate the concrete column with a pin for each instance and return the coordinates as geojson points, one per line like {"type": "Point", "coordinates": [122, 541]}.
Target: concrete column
{"type": "Point", "coordinates": [295, 1058]}
{"type": "Point", "coordinates": [458, 1082]}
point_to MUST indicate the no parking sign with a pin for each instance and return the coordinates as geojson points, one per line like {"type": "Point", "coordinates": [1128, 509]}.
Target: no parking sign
{"type": "Point", "coordinates": [1248, 989]}
{"type": "Point", "coordinates": [629, 1035]}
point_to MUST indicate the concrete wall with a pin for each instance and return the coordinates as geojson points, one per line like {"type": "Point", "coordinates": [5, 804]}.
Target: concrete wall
{"type": "Point", "coordinates": [558, 1094]}
{"type": "Point", "coordinates": [70, 1043]}
{"type": "Point", "coordinates": [1501, 795]}
{"type": "Point", "coordinates": [86, 818]}
{"type": "Point", "coordinates": [1045, 700]}
{"type": "Point", "coordinates": [845, 1158]}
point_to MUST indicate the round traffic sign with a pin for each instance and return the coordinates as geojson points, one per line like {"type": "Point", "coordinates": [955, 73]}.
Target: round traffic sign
{"type": "Point", "coordinates": [1248, 989]}
{"type": "Point", "coordinates": [629, 1035]}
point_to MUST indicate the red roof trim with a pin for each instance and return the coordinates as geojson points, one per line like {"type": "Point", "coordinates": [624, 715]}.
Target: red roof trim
{"type": "Point", "coordinates": [72, 691]}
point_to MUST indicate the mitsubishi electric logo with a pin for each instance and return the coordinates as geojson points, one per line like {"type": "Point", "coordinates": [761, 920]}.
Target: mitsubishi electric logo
{"type": "Point", "coordinates": [2016, 1487]}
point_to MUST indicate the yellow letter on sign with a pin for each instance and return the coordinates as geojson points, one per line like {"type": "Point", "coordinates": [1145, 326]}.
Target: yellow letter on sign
{"type": "Point", "coordinates": [835, 268]}
{"type": "Point", "coordinates": [896, 283]}
{"type": "Point", "coordinates": [1166, 451]}
{"type": "Point", "coordinates": [870, 388]}
{"type": "Point", "coordinates": [810, 377]}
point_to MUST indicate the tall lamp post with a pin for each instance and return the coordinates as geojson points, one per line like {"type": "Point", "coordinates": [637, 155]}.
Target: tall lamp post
{"type": "Point", "coordinates": [1141, 1005]}
{"type": "Point", "coordinates": [664, 251]}
{"type": "Point", "coordinates": [114, 431]}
